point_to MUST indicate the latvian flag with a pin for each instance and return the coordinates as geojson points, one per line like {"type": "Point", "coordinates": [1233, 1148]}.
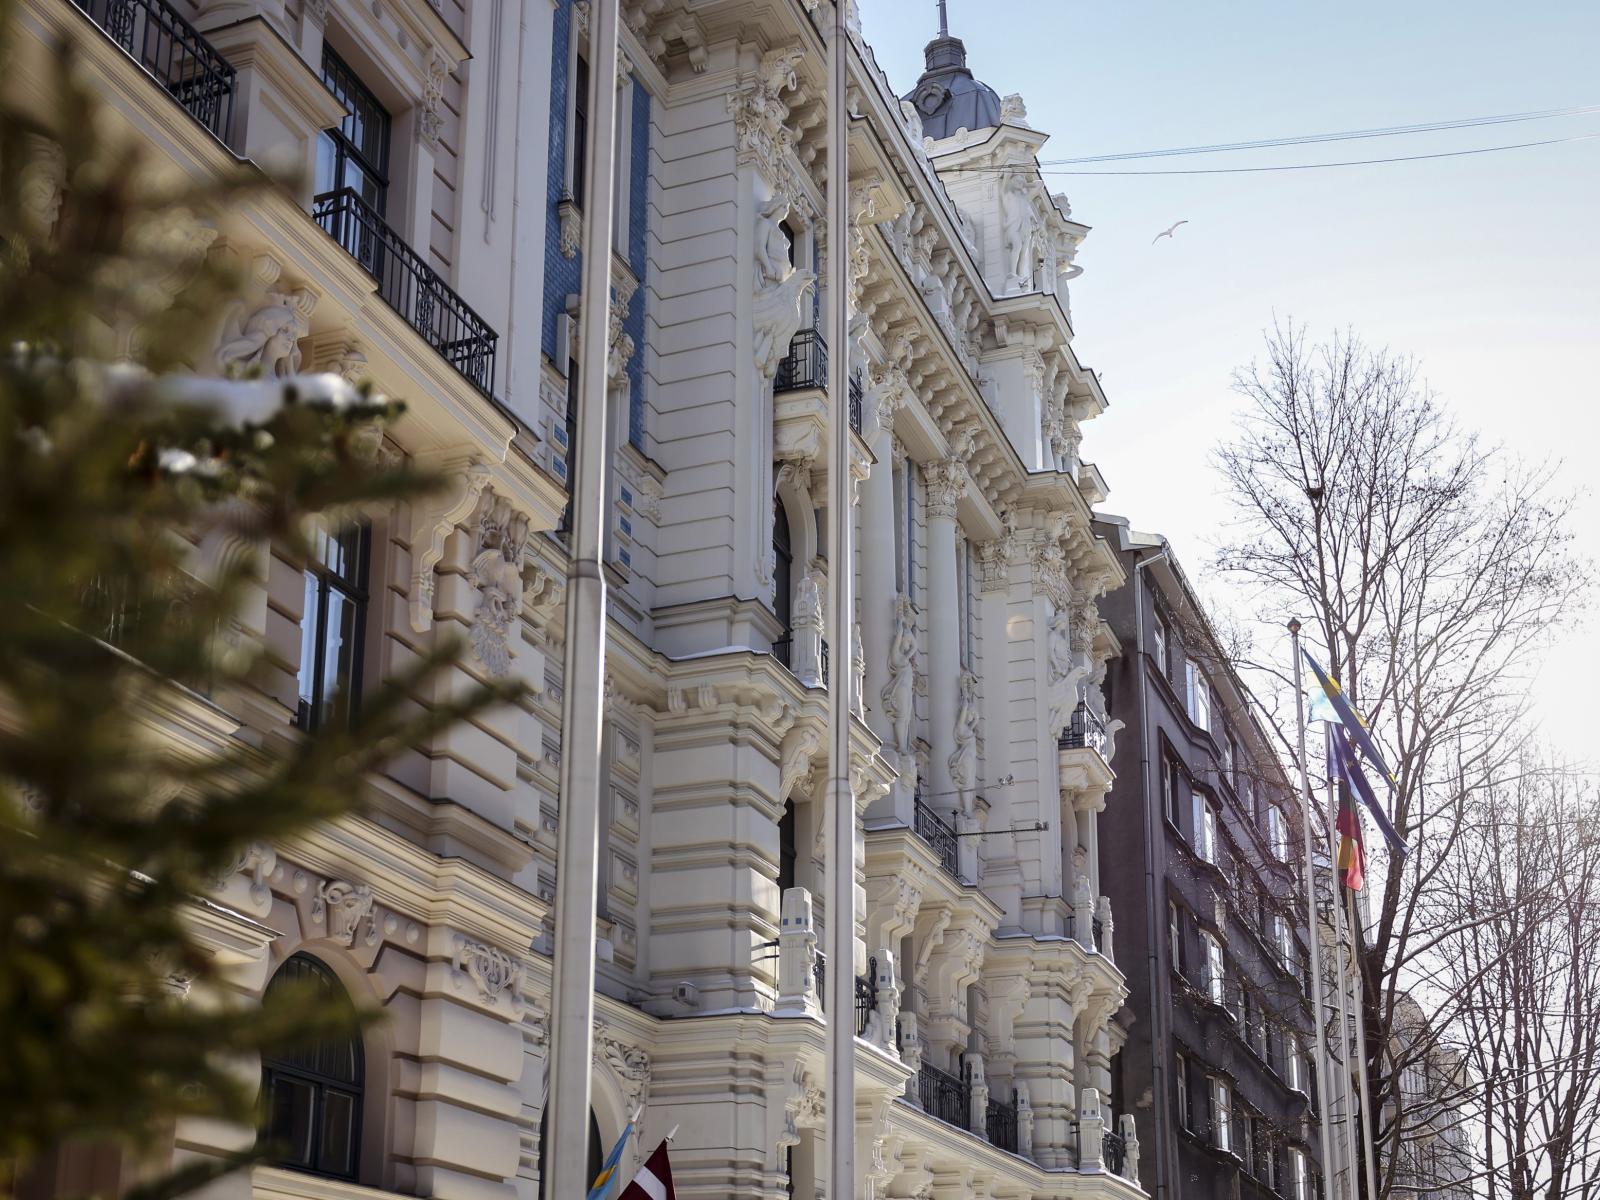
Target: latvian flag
{"type": "Point", "coordinates": [654, 1180]}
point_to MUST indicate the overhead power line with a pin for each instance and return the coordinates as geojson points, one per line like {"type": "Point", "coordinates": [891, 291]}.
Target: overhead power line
{"type": "Point", "coordinates": [1308, 139]}
{"type": "Point", "coordinates": [1360, 162]}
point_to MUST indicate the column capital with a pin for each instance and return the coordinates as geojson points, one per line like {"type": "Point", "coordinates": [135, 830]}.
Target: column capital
{"type": "Point", "coordinates": [946, 480]}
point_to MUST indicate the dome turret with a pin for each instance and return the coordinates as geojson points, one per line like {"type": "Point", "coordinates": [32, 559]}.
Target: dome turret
{"type": "Point", "coordinates": [947, 97]}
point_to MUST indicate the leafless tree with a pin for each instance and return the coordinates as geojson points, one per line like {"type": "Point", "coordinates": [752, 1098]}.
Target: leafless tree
{"type": "Point", "coordinates": [1529, 1016]}
{"type": "Point", "coordinates": [1429, 567]}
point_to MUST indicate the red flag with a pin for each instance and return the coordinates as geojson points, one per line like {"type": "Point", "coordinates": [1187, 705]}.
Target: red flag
{"type": "Point", "coordinates": [654, 1180]}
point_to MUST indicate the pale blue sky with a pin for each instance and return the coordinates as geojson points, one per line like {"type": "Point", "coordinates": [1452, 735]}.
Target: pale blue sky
{"type": "Point", "coordinates": [1485, 268]}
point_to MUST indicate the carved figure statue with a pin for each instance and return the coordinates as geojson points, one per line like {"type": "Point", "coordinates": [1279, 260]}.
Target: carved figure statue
{"type": "Point", "coordinates": [268, 340]}
{"type": "Point", "coordinates": [497, 571]}
{"type": "Point", "coordinates": [780, 287]}
{"type": "Point", "coordinates": [897, 693]}
{"type": "Point", "coordinates": [772, 246]}
{"type": "Point", "coordinates": [808, 602]}
{"type": "Point", "coordinates": [1060, 644]}
{"type": "Point", "coordinates": [1016, 214]}
{"type": "Point", "coordinates": [963, 760]}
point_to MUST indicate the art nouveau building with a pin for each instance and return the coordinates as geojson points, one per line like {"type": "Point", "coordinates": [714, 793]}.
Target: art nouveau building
{"type": "Point", "coordinates": [434, 248]}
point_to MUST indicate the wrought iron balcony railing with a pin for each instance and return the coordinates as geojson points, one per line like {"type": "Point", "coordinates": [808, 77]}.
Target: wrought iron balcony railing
{"type": "Point", "coordinates": [1084, 731]}
{"type": "Point", "coordinates": [856, 399]}
{"type": "Point", "coordinates": [1002, 1124]}
{"type": "Point", "coordinates": [410, 286]}
{"type": "Point", "coordinates": [866, 996]}
{"type": "Point", "coordinates": [936, 831]}
{"type": "Point", "coordinates": [155, 35]}
{"type": "Point", "coordinates": [945, 1096]}
{"type": "Point", "coordinates": [1113, 1152]}
{"type": "Point", "coordinates": [806, 364]}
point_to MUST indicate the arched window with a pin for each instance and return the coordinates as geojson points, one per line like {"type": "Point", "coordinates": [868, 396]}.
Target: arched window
{"type": "Point", "coordinates": [783, 574]}
{"type": "Point", "coordinates": [313, 1095]}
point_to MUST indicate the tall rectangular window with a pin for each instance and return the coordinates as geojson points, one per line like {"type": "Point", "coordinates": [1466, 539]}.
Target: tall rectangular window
{"type": "Point", "coordinates": [1175, 936]}
{"type": "Point", "coordinates": [1293, 1065]}
{"type": "Point", "coordinates": [353, 154]}
{"type": "Point", "coordinates": [1222, 1114]}
{"type": "Point", "coordinates": [580, 128]}
{"type": "Point", "coordinates": [1299, 1176]}
{"type": "Point", "coordinates": [1198, 694]}
{"type": "Point", "coordinates": [1277, 833]}
{"type": "Point", "coordinates": [332, 626]}
{"type": "Point", "coordinates": [1180, 1086]}
{"type": "Point", "coordinates": [1169, 788]}
{"type": "Point", "coordinates": [1159, 646]}
{"type": "Point", "coordinates": [1216, 980]}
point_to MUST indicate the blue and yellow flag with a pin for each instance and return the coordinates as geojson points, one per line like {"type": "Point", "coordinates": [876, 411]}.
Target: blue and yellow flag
{"type": "Point", "coordinates": [608, 1172]}
{"type": "Point", "coordinates": [1353, 724]}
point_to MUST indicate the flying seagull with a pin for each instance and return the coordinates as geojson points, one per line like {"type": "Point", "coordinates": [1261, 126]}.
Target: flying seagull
{"type": "Point", "coordinates": [1167, 232]}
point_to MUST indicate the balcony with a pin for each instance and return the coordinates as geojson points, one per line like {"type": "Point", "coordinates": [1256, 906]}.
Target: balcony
{"type": "Point", "coordinates": [805, 367]}
{"type": "Point", "coordinates": [1114, 1152]}
{"type": "Point", "coordinates": [945, 1096]}
{"type": "Point", "coordinates": [937, 832]}
{"type": "Point", "coordinates": [1001, 1122]}
{"type": "Point", "coordinates": [155, 35]}
{"type": "Point", "coordinates": [1084, 732]}
{"type": "Point", "coordinates": [866, 990]}
{"type": "Point", "coordinates": [411, 287]}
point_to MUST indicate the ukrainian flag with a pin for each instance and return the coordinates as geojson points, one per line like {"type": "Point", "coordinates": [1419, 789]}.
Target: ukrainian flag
{"type": "Point", "coordinates": [608, 1172]}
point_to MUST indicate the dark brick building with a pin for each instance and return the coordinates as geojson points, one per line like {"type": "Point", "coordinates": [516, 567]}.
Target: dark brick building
{"type": "Point", "coordinates": [1202, 871]}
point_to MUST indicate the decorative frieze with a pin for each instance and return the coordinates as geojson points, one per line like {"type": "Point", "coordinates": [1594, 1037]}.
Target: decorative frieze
{"type": "Point", "coordinates": [342, 906]}
{"type": "Point", "coordinates": [490, 968]}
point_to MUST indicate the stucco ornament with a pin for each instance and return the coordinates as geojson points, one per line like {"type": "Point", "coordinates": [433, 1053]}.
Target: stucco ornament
{"type": "Point", "coordinates": [41, 180]}
{"type": "Point", "coordinates": [896, 695]}
{"type": "Point", "coordinates": [496, 571]}
{"type": "Point", "coordinates": [1017, 222]}
{"type": "Point", "coordinates": [781, 288]}
{"type": "Point", "coordinates": [963, 760]}
{"type": "Point", "coordinates": [492, 969]}
{"type": "Point", "coordinates": [268, 341]}
{"type": "Point", "coordinates": [343, 906]}
{"type": "Point", "coordinates": [760, 111]}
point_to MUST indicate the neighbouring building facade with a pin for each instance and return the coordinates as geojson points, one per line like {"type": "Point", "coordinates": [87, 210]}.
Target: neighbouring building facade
{"type": "Point", "coordinates": [1218, 1069]}
{"type": "Point", "coordinates": [434, 247]}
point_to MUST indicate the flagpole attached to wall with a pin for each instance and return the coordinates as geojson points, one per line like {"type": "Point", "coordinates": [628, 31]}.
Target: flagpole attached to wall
{"type": "Point", "coordinates": [1358, 944]}
{"type": "Point", "coordinates": [841, 844]}
{"type": "Point", "coordinates": [1313, 941]}
{"type": "Point", "coordinates": [572, 984]}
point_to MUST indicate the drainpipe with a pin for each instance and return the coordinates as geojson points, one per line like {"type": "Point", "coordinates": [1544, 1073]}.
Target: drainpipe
{"type": "Point", "coordinates": [1159, 1042]}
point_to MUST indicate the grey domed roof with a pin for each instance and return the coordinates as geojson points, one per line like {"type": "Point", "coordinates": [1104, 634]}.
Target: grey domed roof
{"type": "Point", "coordinates": [947, 97]}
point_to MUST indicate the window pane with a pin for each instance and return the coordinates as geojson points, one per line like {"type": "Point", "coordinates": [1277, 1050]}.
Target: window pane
{"type": "Point", "coordinates": [289, 1120]}
{"type": "Point", "coordinates": [336, 1155]}
{"type": "Point", "coordinates": [338, 655]}
{"type": "Point", "coordinates": [309, 636]}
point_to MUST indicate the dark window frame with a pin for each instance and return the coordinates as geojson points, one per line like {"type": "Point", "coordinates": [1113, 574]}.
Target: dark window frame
{"type": "Point", "coordinates": [285, 1068]}
{"type": "Point", "coordinates": [316, 709]}
{"type": "Point", "coordinates": [367, 112]}
{"type": "Point", "coordinates": [580, 127]}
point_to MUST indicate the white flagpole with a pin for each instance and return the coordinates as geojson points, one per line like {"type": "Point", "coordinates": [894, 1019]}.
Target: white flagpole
{"type": "Point", "coordinates": [841, 1119]}
{"type": "Point", "coordinates": [572, 984]}
{"type": "Point", "coordinates": [1347, 1154]}
{"type": "Point", "coordinates": [1313, 938]}
{"type": "Point", "coordinates": [1358, 939]}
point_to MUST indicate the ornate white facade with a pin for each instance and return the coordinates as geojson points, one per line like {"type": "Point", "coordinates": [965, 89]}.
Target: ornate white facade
{"type": "Point", "coordinates": [985, 948]}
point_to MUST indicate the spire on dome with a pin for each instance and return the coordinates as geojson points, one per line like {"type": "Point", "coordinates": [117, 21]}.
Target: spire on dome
{"type": "Point", "coordinates": [947, 96]}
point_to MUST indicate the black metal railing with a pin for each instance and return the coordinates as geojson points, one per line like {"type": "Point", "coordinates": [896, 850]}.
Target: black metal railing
{"type": "Point", "coordinates": [1113, 1152]}
{"type": "Point", "coordinates": [1001, 1124]}
{"type": "Point", "coordinates": [783, 649]}
{"type": "Point", "coordinates": [806, 364]}
{"type": "Point", "coordinates": [866, 996]}
{"type": "Point", "coordinates": [819, 975]}
{"type": "Point", "coordinates": [1097, 927]}
{"type": "Point", "coordinates": [155, 35]}
{"type": "Point", "coordinates": [824, 661]}
{"type": "Point", "coordinates": [1084, 731]}
{"type": "Point", "coordinates": [856, 402]}
{"type": "Point", "coordinates": [936, 831]}
{"type": "Point", "coordinates": [410, 286]}
{"type": "Point", "coordinates": [946, 1096]}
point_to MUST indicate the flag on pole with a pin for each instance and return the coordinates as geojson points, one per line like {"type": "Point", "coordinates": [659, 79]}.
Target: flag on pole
{"type": "Point", "coordinates": [654, 1180]}
{"type": "Point", "coordinates": [1344, 765]}
{"type": "Point", "coordinates": [1353, 724]}
{"type": "Point", "coordinates": [608, 1172]}
{"type": "Point", "coordinates": [1352, 846]}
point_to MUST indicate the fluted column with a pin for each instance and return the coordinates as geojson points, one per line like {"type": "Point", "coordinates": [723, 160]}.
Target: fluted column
{"type": "Point", "coordinates": [946, 481]}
